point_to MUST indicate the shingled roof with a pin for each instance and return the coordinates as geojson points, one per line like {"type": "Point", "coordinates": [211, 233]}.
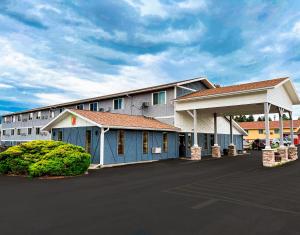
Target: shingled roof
{"type": "Point", "coordinates": [234, 88]}
{"type": "Point", "coordinates": [107, 119]}
{"type": "Point", "coordinates": [273, 125]}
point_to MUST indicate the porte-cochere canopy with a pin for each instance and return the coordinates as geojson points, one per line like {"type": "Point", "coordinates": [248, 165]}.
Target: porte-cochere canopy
{"type": "Point", "coordinates": [264, 97]}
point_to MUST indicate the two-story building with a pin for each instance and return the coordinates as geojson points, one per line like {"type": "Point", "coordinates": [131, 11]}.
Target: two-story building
{"type": "Point", "coordinates": [190, 118]}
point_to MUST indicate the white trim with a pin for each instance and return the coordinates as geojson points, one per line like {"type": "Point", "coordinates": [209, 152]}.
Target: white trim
{"type": "Point", "coordinates": [225, 94]}
{"type": "Point", "coordinates": [122, 106]}
{"type": "Point", "coordinates": [187, 88]}
{"type": "Point", "coordinates": [21, 127]}
{"type": "Point", "coordinates": [162, 117]}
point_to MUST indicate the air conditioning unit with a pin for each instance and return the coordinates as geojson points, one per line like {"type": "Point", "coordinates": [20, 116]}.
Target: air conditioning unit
{"type": "Point", "coordinates": [156, 150]}
{"type": "Point", "coordinates": [145, 104]}
{"type": "Point", "coordinates": [101, 109]}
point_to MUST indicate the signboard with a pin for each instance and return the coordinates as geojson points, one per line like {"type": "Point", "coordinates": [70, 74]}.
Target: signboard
{"type": "Point", "coordinates": [73, 120]}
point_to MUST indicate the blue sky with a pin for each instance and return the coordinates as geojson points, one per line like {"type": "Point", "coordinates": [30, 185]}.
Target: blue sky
{"type": "Point", "coordinates": [56, 51]}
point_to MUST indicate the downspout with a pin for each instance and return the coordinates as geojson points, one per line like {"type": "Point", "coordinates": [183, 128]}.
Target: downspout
{"type": "Point", "coordinates": [102, 146]}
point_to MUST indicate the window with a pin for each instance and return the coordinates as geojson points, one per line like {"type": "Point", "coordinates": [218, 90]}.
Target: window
{"type": "Point", "coordinates": [145, 142]}
{"type": "Point", "coordinates": [159, 98]}
{"type": "Point", "coordinates": [39, 114]}
{"type": "Point", "coordinates": [5, 120]}
{"type": "Point", "coordinates": [121, 142]}
{"type": "Point", "coordinates": [60, 136]}
{"type": "Point", "coordinates": [12, 132]}
{"type": "Point", "coordinates": [19, 117]}
{"type": "Point", "coordinates": [165, 142]}
{"type": "Point", "coordinates": [29, 131]}
{"type": "Point", "coordinates": [276, 131]}
{"type": "Point", "coordinates": [206, 136]}
{"type": "Point", "coordinates": [94, 106]}
{"type": "Point", "coordinates": [80, 106]}
{"type": "Point", "coordinates": [30, 116]}
{"type": "Point", "coordinates": [14, 119]}
{"type": "Point", "coordinates": [61, 110]}
{"type": "Point", "coordinates": [37, 130]}
{"type": "Point", "coordinates": [260, 131]}
{"type": "Point", "coordinates": [18, 131]}
{"type": "Point", "coordinates": [189, 140]}
{"type": "Point", "coordinates": [4, 132]}
{"type": "Point", "coordinates": [118, 103]}
{"type": "Point", "coordinates": [52, 114]}
{"type": "Point", "coordinates": [212, 140]}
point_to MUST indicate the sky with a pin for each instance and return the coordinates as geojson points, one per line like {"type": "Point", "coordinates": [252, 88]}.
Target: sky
{"type": "Point", "coordinates": [56, 51]}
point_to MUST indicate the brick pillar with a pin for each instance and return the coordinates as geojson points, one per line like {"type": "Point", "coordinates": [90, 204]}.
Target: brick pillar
{"type": "Point", "coordinates": [195, 153]}
{"type": "Point", "coordinates": [293, 153]}
{"type": "Point", "coordinates": [268, 156]}
{"type": "Point", "coordinates": [283, 152]}
{"type": "Point", "coordinates": [232, 150]}
{"type": "Point", "coordinates": [216, 151]}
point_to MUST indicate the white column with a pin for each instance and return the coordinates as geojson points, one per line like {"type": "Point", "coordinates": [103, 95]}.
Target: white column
{"type": "Point", "coordinates": [195, 128]}
{"type": "Point", "coordinates": [102, 146]}
{"type": "Point", "coordinates": [216, 129]}
{"type": "Point", "coordinates": [231, 131]}
{"type": "Point", "coordinates": [281, 126]}
{"type": "Point", "coordinates": [267, 126]}
{"type": "Point", "coordinates": [291, 128]}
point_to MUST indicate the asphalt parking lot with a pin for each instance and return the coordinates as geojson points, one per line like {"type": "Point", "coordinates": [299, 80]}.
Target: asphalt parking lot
{"type": "Point", "coordinates": [227, 196]}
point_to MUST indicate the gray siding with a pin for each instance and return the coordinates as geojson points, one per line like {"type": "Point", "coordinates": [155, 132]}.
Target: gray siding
{"type": "Point", "coordinates": [194, 85]}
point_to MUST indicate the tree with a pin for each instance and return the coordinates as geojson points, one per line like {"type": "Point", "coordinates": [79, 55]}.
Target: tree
{"type": "Point", "coordinates": [285, 117]}
{"type": "Point", "coordinates": [250, 118]}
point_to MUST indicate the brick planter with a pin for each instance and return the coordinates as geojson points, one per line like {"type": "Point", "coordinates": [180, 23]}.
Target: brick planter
{"type": "Point", "coordinates": [283, 152]}
{"type": "Point", "coordinates": [195, 153]}
{"type": "Point", "coordinates": [216, 151]}
{"type": "Point", "coordinates": [232, 150]}
{"type": "Point", "coordinates": [268, 157]}
{"type": "Point", "coordinates": [293, 153]}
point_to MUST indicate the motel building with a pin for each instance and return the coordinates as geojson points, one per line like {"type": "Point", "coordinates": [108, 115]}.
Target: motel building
{"type": "Point", "coordinates": [203, 125]}
{"type": "Point", "coordinates": [256, 130]}
{"type": "Point", "coordinates": [189, 119]}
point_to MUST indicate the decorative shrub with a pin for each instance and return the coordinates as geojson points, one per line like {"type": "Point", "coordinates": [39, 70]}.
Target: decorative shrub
{"type": "Point", "coordinates": [40, 158]}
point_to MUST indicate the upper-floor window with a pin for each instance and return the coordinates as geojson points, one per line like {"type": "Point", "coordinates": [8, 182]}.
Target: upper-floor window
{"type": "Point", "coordinates": [37, 130]}
{"type": "Point", "coordinates": [94, 106]}
{"type": "Point", "coordinates": [145, 142]}
{"type": "Point", "coordinates": [80, 106]}
{"type": "Point", "coordinates": [39, 115]}
{"type": "Point", "coordinates": [119, 103]}
{"type": "Point", "coordinates": [61, 110]}
{"type": "Point", "coordinates": [52, 114]}
{"type": "Point", "coordinates": [159, 98]}
{"type": "Point", "coordinates": [18, 131]}
{"type": "Point", "coordinates": [19, 117]}
{"type": "Point", "coordinates": [14, 119]}
{"type": "Point", "coordinates": [4, 132]}
{"type": "Point", "coordinates": [29, 131]}
{"type": "Point", "coordinates": [12, 132]}
{"type": "Point", "coordinates": [30, 116]}
{"type": "Point", "coordinates": [5, 120]}
{"type": "Point", "coordinates": [121, 142]}
{"type": "Point", "coordinates": [165, 142]}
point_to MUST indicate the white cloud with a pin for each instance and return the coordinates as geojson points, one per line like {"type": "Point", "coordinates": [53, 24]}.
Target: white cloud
{"type": "Point", "coordinates": [51, 98]}
{"type": "Point", "coordinates": [146, 7]}
{"type": "Point", "coordinates": [171, 35]}
{"type": "Point", "coordinates": [5, 86]}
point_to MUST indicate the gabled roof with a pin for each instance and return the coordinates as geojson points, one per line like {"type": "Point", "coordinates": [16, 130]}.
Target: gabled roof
{"type": "Point", "coordinates": [235, 88]}
{"type": "Point", "coordinates": [114, 120]}
{"type": "Point", "coordinates": [273, 125]}
{"type": "Point", "coordinates": [120, 94]}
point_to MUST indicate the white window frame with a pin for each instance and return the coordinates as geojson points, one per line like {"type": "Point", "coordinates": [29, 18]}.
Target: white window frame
{"type": "Point", "coordinates": [30, 116]}
{"type": "Point", "coordinates": [165, 102]}
{"type": "Point", "coordinates": [52, 114]}
{"type": "Point", "coordinates": [14, 118]}
{"type": "Point", "coordinates": [122, 106]}
{"type": "Point", "coordinates": [39, 115]}
{"type": "Point", "coordinates": [79, 105]}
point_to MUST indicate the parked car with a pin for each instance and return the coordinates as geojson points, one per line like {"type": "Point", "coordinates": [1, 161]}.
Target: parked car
{"type": "Point", "coordinates": [286, 141]}
{"type": "Point", "coordinates": [258, 144]}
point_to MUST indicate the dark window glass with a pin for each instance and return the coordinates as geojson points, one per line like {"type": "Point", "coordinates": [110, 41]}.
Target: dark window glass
{"type": "Point", "coordinates": [145, 142]}
{"type": "Point", "coordinates": [118, 103]}
{"type": "Point", "coordinates": [159, 97]}
{"type": "Point", "coordinates": [29, 131]}
{"type": "Point", "coordinates": [18, 131]}
{"type": "Point", "coordinates": [60, 136]}
{"type": "Point", "coordinates": [165, 142]}
{"type": "Point", "coordinates": [121, 142]}
{"type": "Point", "coordinates": [37, 131]}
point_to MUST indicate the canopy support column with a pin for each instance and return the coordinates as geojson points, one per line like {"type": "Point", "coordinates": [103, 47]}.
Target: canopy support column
{"type": "Point", "coordinates": [292, 150]}
{"type": "Point", "coordinates": [216, 150]}
{"type": "Point", "coordinates": [282, 150]}
{"type": "Point", "coordinates": [195, 149]}
{"type": "Point", "coordinates": [231, 147]}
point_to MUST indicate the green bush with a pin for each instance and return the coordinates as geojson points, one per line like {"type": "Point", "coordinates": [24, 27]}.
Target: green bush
{"type": "Point", "coordinates": [40, 158]}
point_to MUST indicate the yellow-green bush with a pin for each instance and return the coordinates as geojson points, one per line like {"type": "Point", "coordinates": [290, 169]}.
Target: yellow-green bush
{"type": "Point", "coordinates": [39, 158]}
